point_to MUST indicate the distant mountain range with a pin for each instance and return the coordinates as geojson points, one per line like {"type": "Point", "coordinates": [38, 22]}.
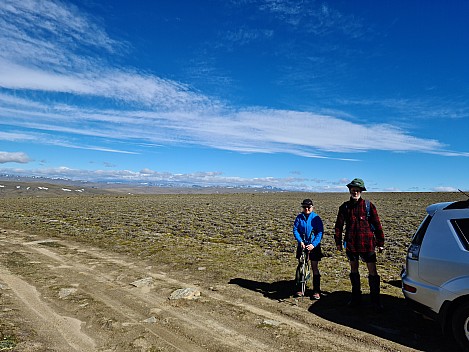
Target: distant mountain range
{"type": "Point", "coordinates": [20, 184]}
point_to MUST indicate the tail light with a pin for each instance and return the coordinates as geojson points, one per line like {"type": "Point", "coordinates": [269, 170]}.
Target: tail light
{"type": "Point", "coordinates": [413, 252]}
{"type": "Point", "coordinates": [409, 288]}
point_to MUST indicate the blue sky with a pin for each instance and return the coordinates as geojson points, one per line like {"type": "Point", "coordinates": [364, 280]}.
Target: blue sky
{"type": "Point", "coordinates": [302, 95]}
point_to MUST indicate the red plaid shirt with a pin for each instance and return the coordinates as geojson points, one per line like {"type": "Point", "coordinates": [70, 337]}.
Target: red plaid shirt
{"type": "Point", "coordinates": [358, 234]}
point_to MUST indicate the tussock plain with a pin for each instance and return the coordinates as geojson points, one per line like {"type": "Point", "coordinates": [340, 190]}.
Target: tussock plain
{"type": "Point", "coordinates": [237, 249]}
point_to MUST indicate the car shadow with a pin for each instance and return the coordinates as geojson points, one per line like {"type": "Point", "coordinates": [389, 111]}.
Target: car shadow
{"type": "Point", "coordinates": [395, 322]}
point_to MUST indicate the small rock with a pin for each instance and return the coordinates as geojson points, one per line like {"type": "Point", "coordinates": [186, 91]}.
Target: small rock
{"type": "Point", "coordinates": [217, 288]}
{"type": "Point", "coordinates": [185, 293]}
{"type": "Point", "coordinates": [271, 322]}
{"type": "Point", "coordinates": [65, 292]}
{"type": "Point", "coordinates": [148, 281]}
{"type": "Point", "coordinates": [151, 320]}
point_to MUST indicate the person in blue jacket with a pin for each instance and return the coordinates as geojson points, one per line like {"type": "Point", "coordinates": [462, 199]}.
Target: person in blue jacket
{"type": "Point", "coordinates": [308, 230]}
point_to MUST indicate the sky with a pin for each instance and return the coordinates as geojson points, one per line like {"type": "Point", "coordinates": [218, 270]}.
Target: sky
{"type": "Point", "coordinates": [302, 95]}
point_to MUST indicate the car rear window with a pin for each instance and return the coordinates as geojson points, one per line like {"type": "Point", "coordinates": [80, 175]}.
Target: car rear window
{"type": "Point", "coordinates": [418, 237]}
{"type": "Point", "coordinates": [461, 226]}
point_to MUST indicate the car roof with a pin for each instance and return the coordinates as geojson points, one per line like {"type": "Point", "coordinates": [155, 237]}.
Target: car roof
{"type": "Point", "coordinates": [432, 209]}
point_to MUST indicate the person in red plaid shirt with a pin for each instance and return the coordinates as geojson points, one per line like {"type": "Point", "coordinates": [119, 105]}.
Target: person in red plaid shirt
{"type": "Point", "coordinates": [363, 235]}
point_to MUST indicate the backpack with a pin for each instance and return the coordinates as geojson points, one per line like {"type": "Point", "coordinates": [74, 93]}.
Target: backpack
{"type": "Point", "coordinates": [367, 206]}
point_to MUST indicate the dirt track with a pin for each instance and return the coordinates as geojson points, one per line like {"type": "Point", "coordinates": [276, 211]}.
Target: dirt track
{"type": "Point", "coordinates": [60, 295]}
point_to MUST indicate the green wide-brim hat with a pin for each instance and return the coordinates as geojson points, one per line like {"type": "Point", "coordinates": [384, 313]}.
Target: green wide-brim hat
{"type": "Point", "coordinates": [357, 182]}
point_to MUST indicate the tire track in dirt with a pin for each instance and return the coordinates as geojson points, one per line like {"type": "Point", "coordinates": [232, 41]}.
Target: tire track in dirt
{"type": "Point", "coordinates": [103, 281]}
{"type": "Point", "coordinates": [143, 298]}
{"type": "Point", "coordinates": [208, 326]}
{"type": "Point", "coordinates": [68, 328]}
{"type": "Point", "coordinates": [328, 332]}
{"type": "Point", "coordinates": [101, 286]}
{"type": "Point", "coordinates": [73, 271]}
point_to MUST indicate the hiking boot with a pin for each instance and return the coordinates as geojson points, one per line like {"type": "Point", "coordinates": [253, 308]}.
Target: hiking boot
{"type": "Point", "coordinates": [374, 281]}
{"type": "Point", "coordinates": [356, 290]}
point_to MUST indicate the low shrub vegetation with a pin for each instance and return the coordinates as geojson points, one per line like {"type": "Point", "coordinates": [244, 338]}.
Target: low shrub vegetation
{"type": "Point", "coordinates": [221, 236]}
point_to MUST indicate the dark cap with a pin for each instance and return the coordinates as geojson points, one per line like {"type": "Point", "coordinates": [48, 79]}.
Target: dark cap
{"type": "Point", "coordinates": [307, 203]}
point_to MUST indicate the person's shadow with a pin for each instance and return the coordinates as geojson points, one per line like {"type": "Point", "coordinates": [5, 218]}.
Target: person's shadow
{"type": "Point", "coordinates": [395, 322]}
{"type": "Point", "coordinates": [278, 290]}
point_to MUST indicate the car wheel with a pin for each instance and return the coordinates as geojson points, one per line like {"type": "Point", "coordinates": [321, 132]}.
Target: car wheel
{"type": "Point", "coordinates": [460, 325]}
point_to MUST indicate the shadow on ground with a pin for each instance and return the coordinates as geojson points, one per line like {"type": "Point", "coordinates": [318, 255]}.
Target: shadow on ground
{"type": "Point", "coordinates": [396, 322]}
{"type": "Point", "coordinates": [278, 290]}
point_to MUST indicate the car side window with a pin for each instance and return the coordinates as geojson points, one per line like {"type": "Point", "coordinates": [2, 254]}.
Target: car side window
{"type": "Point", "coordinates": [461, 226]}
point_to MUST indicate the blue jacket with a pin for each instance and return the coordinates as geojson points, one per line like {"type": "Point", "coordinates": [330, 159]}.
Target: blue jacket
{"type": "Point", "coordinates": [308, 230]}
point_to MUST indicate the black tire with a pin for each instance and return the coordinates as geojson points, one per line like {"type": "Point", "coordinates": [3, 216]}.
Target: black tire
{"type": "Point", "coordinates": [460, 326]}
{"type": "Point", "coordinates": [298, 278]}
{"type": "Point", "coordinates": [300, 275]}
{"type": "Point", "coordinates": [303, 278]}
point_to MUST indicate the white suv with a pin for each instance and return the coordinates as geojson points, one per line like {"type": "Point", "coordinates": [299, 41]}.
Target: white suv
{"type": "Point", "coordinates": [436, 276]}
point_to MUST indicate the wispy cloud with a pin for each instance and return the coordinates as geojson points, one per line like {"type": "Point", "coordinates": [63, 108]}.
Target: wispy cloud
{"type": "Point", "coordinates": [243, 36]}
{"type": "Point", "coordinates": [144, 108]}
{"type": "Point", "coordinates": [104, 82]}
{"type": "Point", "coordinates": [255, 130]}
{"type": "Point", "coordinates": [43, 29]}
{"type": "Point", "coordinates": [416, 108]}
{"type": "Point", "coordinates": [314, 17]}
